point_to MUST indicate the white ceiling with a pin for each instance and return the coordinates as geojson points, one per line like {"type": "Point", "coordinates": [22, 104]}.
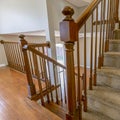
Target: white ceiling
{"type": "Point", "coordinates": [79, 3]}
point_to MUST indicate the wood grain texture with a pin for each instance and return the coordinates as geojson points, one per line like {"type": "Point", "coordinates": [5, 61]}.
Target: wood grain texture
{"type": "Point", "coordinates": [13, 102]}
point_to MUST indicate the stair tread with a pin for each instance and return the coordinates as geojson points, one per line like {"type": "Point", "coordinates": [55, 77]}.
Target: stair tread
{"type": "Point", "coordinates": [114, 41]}
{"type": "Point", "coordinates": [57, 109]}
{"type": "Point", "coordinates": [110, 71]}
{"type": "Point", "coordinates": [112, 53]}
{"type": "Point", "coordinates": [116, 30]}
{"type": "Point", "coordinates": [107, 95]}
{"type": "Point", "coordinates": [94, 115]}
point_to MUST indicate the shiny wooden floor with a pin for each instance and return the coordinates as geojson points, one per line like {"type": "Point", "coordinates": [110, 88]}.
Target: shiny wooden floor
{"type": "Point", "coordinates": [14, 104]}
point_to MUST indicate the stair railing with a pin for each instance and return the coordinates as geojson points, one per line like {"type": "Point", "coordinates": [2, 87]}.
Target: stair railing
{"type": "Point", "coordinates": [98, 21]}
{"type": "Point", "coordinates": [45, 87]}
{"type": "Point", "coordinates": [14, 55]}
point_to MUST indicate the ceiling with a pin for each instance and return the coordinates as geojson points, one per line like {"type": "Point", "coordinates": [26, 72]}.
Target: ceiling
{"type": "Point", "coordinates": [79, 3]}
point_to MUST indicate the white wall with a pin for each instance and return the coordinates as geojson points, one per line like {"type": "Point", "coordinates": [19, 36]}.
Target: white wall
{"type": "Point", "coordinates": [57, 11]}
{"type": "Point", "coordinates": [22, 15]}
{"type": "Point", "coordinates": [29, 15]}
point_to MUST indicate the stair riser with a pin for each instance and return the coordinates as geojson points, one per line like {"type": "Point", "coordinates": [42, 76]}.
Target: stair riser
{"type": "Point", "coordinates": [114, 47]}
{"type": "Point", "coordinates": [104, 108]}
{"type": "Point", "coordinates": [108, 80]}
{"type": "Point", "coordinates": [117, 34]}
{"type": "Point", "coordinates": [112, 61]}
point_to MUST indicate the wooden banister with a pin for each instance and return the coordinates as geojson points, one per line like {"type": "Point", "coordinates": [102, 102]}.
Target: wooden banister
{"type": "Point", "coordinates": [44, 56]}
{"type": "Point", "coordinates": [47, 44]}
{"type": "Point", "coordinates": [86, 14]}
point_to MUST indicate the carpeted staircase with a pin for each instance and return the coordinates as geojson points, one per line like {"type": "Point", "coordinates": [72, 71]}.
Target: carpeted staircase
{"type": "Point", "coordinates": [105, 98]}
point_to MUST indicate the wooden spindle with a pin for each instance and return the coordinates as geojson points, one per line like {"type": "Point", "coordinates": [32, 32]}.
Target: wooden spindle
{"type": "Point", "coordinates": [79, 89]}
{"type": "Point", "coordinates": [85, 71]}
{"type": "Point", "coordinates": [51, 93]}
{"type": "Point", "coordinates": [100, 41]}
{"type": "Point", "coordinates": [46, 80]}
{"type": "Point", "coordinates": [103, 32]}
{"type": "Point", "coordinates": [96, 37]}
{"type": "Point", "coordinates": [55, 82]}
{"type": "Point", "coordinates": [91, 55]}
{"type": "Point", "coordinates": [39, 80]}
{"type": "Point", "coordinates": [107, 27]}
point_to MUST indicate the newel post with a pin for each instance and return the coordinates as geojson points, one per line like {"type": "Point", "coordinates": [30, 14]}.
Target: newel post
{"type": "Point", "coordinates": [68, 34]}
{"type": "Point", "coordinates": [31, 86]}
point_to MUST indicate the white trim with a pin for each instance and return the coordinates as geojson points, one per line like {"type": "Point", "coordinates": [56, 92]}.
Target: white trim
{"type": "Point", "coordinates": [3, 65]}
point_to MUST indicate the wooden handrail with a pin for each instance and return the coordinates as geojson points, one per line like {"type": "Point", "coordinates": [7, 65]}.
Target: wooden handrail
{"type": "Point", "coordinates": [47, 44]}
{"type": "Point", "coordinates": [43, 56]}
{"type": "Point", "coordinates": [87, 12]}
{"type": "Point", "coordinates": [3, 41]}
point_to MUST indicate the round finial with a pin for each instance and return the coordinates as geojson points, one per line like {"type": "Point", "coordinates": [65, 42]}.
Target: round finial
{"type": "Point", "coordinates": [22, 36]}
{"type": "Point", "coordinates": [68, 12]}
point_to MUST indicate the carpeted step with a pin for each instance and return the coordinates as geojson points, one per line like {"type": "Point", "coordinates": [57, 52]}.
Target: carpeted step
{"type": "Point", "coordinates": [114, 45]}
{"type": "Point", "coordinates": [111, 59]}
{"type": "Point", "coordinates": [106, 101]}
{"type": "Point", "coordinates": [117, 33]}
{"type": "Point", "coordinates": [109, 76]}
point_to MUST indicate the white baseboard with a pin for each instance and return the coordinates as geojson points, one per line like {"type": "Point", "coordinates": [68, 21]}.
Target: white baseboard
{"type": "Point", "coordinates": [3, 65]}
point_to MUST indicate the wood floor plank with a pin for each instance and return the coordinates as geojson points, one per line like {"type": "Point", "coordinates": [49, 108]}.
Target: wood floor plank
{"type": "Point", "coordinates": [14, 104]}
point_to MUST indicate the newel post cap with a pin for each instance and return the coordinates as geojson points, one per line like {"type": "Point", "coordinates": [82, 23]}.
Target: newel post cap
{"type": "Point", "coordinates": [23, 42]}
{"type": "Point", "coordinates": [68, 28]}
{"type": "Point", "coordinates": [68, 12]}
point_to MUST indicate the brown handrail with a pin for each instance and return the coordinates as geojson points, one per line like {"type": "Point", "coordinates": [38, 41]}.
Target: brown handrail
{"type": "Point", "coordinates": [47, 44]}
{"type": "Point", "coordinates": [43, 56]}
{"type": "Point", "coordinates": [87, 12]}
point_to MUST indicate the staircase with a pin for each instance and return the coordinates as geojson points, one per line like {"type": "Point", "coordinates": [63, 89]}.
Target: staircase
{"type": "Point", "coordinates": [62, 89]}
{"type": "Point", "coordinates": [105, 98]}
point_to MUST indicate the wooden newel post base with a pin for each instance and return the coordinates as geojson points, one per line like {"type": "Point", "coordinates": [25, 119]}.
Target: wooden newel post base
{"type": "Point", "coordinates": [31, 86]}
{"type": "Point", "coordinates": [69, 34]}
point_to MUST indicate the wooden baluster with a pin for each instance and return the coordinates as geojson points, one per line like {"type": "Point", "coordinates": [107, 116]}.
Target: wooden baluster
{"type": "Point", "coordinates": [5, 48]}
{"type": "Point", "coordinates": [59, 78]}
{"type": "Point", "coordinates": [112, 18]}
{"type": "Point", "coordinates": [17, 57]}
{"type": "Point", "coordinates": [31, 62]}
{"type": "Point", "coordinates": [79, 87]}
{"type": "Point", "coordinates": [116, 7]}
{"type": "Point", "coordinates": [34, 64]}
{"type": "Point", "coordinates": [65, 97]}
{"type": "Point", "coordinates": [103, 35]}
{"type": "Point", "coordinates": [107, 27]}
{"type": "Point", "coordinates": [110, 25]}
{"type": "Point", "coordinates": [8, 52]}
{"type": "Point", "coordinates": [11, 55]}
{"type": "Point", "coordinates": [91, 55]}
{"type": "Point", "coordinates": [50, 81]}
{"type": "Point", "coordinates": [85, 71]}
{"type": "Point", "coordinates": [96, 37]}
{"type": "Point", "coordinates": [55, 82]}
{"type": "Point", "coordinates": [101, 22]}
{"type": "Point", "coordinates": [69, 36]}
{"type": "Point", "coordinates": [41, 65]}
{"type": "Point", "coordinates": [38, 79]}
{"type": "Point", "coordinates": [21, 57]}
{"type": "Point", "coordinates": [31, 86]}
{"type": "Point", "coordinates": [46, 80]}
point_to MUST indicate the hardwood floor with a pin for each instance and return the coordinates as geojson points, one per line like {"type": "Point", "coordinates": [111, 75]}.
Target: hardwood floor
{"type": "Point", "coordinates": [14, 104]}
